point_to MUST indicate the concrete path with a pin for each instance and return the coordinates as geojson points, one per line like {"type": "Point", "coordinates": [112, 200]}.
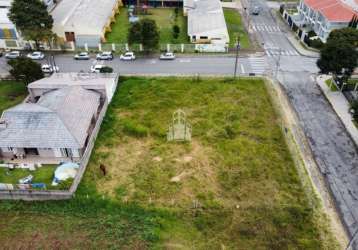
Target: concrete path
{"type": "Point", "coordinates": [340, 105]}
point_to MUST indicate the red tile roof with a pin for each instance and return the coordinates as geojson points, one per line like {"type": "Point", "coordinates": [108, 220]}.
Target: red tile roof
{"type": "Point", "coordinates": [332, 10]}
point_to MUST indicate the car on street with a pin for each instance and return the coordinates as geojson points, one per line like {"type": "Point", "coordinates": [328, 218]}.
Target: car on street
{"type": "Point", "coordinates": [12, 55]}
{"type": "Point", "coordinates": [82, 56]}
{"type": "Point", "coordinates": [37, 55]}
{"type": "Point", "coordinates": [167, 56]}
{"type": "Point", "coordinates": [106, 55]}
{"type": "Point", "coordinates": [97, 68]}
{"type": "Point", "coordinates": [128, 56]}
{"type": "Point", "coordinates": [256, 11]}
{"type": "Point", "coordinates": [49, 69]}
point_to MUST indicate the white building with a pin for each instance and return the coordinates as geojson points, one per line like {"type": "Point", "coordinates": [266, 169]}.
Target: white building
{"type": "Point", "coordinates": [323, 16]}
{"type": "Point", "coordinates": [84, 21]}
{"type": "Point", "coordinates": [206, 21]}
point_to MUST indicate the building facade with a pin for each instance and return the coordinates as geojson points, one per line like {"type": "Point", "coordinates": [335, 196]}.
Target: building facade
{"type": "Point", "coordinates": [323, 16]}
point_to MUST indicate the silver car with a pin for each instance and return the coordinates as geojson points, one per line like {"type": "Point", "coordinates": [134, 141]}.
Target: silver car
{"type": "Point", "coordinates": [12, 55]}
{"type": "Point", "coordinates": [82, 56]}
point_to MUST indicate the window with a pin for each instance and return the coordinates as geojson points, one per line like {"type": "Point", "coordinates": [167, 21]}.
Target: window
{"type": "Point", "coordinates": [203, 37]}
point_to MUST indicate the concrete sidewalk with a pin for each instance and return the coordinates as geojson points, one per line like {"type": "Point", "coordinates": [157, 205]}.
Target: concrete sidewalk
{"type": "Point", "coordinates": [291, 37]}
{"type": "Point", "coordinates": [340, 105]}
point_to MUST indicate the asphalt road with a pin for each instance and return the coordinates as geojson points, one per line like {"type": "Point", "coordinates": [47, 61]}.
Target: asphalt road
{"type": "Point", "coordinates": [334, 150]}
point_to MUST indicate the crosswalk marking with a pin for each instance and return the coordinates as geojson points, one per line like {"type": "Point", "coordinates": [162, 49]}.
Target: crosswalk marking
{"type": "Point", "coordinates": [267, 28]}
{"type": "Point", "coordinates": [275, 52]}
{"type": "Point", "coordinates": [258, 65]}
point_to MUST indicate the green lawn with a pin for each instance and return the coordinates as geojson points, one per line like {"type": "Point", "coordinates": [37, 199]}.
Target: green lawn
{"type": "Point", "coordinates": [237, 185]}
{"type": "Point", "coordinates": [236, 28]}
{"type": "Point", "coordinates": [164, 18]}
{"type": "Point", "coordinates": [331, 85]}
{"type": "Point", "coordinates": [11, 93]}
{"type": "Point", "coordinates": [43, 174]}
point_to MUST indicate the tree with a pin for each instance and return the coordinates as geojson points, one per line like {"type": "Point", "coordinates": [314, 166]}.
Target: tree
{"type": "Point", "coordinates": [176, 31]}
{"type": "Point", "coordinates": [135, 33]}
{"type": "Point", "coordinates": [32, 19]}
{"type": "Point", "coordinates": [349, 35]}
{"type": "Point", "coordinates": [150, 34]}
{"type": "Point", "coordinates": [339, 55]}
{"type": "Point", "coordinates": [24, 69]}
{"type": "Point", "coordinates": [145, 32]}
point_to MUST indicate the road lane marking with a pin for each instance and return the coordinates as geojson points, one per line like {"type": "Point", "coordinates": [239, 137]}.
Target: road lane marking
{"type": "Point", "coordinates": [185, 60]}
{"type": "Point", "coordinates": [242, 68]}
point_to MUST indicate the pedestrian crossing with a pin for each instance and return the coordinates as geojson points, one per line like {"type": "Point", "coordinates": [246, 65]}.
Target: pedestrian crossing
{"type": "Point", "coordinates": [277, 52]}
{"type": "Point", "coordinates": [258, 65]}
{"type": "Point", "coordinates": [266, 28]}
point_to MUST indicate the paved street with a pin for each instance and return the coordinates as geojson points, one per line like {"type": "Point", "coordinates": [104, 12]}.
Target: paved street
{"type": "Point", "coordinates": [334, 150]}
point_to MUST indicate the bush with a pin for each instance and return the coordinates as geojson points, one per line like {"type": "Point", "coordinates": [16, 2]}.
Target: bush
{"type": "Point", "coordinates": [316, 43]}
{"type": "Point", "coordinates": [176, 31]}
{"type": "Point", "coordinates": [282, 8]}
{"type": "Point", "coordinates": [354, 107]}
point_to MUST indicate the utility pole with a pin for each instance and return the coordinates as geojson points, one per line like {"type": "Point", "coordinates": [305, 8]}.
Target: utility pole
{"type": "Point", "coordinates": [237, 55]}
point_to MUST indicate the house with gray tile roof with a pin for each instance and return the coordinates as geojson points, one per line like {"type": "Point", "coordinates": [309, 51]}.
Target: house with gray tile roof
{"type": "Point", "coordinates": [57, 125]}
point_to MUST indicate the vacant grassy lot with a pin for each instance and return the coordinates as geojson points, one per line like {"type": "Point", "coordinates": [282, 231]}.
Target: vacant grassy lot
{"type": "Point", "coordinates": [236, 28]}
{"type": "Point", "coordinates": [11, 93]}
{"type": "Point", "coordinates": [41, 175]}
{"type": "Point", "coordinates": [235, 184]}
{"type": "Point", "coordinates": [165, 19]}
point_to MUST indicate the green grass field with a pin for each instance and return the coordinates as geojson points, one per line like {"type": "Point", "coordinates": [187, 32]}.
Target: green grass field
{"type": "Point", "coordinates": [11, 93]}
{"type": "Point", "coordinates": [164, 18]}
{"type": "Point", "coordinates": [236, 28]}
{"type": "Point", "coordinates": [43, 174]}
{"type": "Point", "coordinates": [236, 186]}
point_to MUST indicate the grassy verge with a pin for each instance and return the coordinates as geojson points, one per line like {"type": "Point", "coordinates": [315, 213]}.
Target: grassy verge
{"type": "Point", "coordinates": [11, 93]}
{"type": "Point", "coordinates": [236, 28]}
{"type": "Point", "coordinates": [234, 186]}
{"type": "Point", "coordinates": [165, 19]}
{"type": "Point", "coordinates": [331, 85]}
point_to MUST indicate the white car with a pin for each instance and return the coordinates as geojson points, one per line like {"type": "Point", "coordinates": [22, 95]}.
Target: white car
{"type": "Point", "coordinates": [167, 56]}
{"type": "Point", "coordinates": [97, 68]}
{"type": "Point", "coordinates": [49, 69]}
{"type": "Point", "coordinates": [128, 56]}
{"type": "Point", "coordinates": [12, 55]}
{"type": "Point", "coordinates": [82, 56]}
{"type": "Point", "coordinates": [106, 55]}
{"type": "Point", "coordinates": [37, 55]}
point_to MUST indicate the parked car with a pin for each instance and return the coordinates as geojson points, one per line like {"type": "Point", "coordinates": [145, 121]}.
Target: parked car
{"type": "Point", "coordinates": [37, 55]}
{"type": "Point", "coordinates": [26, 180]}
{"type": "Point", "coordinates": [97, 68]}
{"type": "Point", "coordinates": [167, 56]}
{"type": "Point", "coordinates": [256, 11]}
{"type": "Point", "coordinates": [128, 56]}
{"type": "Point", "coordinates": [12, 55]}
{"type": "Point", "coordinates": [106, 55]}
{"type": "Point", "coordinates": [49, 69]}
{"type": "Point", "coordinates": [82, 56]}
